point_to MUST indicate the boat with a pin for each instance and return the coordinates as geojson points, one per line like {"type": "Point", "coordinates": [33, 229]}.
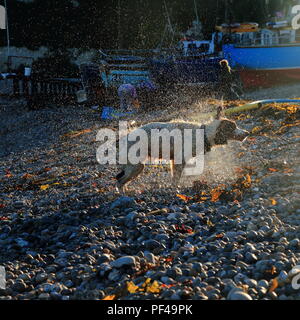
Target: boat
{"type": "Point", "coordinates": [195, 61]}
{"type": "Point", "coordinates": [264, 57]}
{"type": "Point", "coordinates": [238, 27]}
{"type": "Point", "coordinates": [191, 63]}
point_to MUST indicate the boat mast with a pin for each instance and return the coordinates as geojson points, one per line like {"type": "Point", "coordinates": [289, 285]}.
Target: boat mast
{"type": "Point", "coordinates": [217, 13]}
{"type": "Point", "coordinates": [196, 12]}
{"type": "Point", "coordinates": [266, 10]}
{"type": "Point", "coordinates": [168, 18]}
{"type": "Point", "coordinates": [119, 24]}
{"type": "Point", "coordinates": [7, 35]}
{"type": "Point", "coordinates": [169, 24]}
{"type": "Point", "coordinates": [226, 11]}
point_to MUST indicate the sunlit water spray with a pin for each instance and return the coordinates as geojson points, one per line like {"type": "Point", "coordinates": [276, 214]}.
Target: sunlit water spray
{"type": "Point", "coordinates": [220, 166]}
{"type": "Point", "coordinates": [221, 163]}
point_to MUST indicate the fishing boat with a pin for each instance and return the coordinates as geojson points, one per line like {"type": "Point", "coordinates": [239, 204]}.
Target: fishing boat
{"type": "Point", "coordinates": [192, 63]}
{"type": "Point", "coordinates": [264, 57]}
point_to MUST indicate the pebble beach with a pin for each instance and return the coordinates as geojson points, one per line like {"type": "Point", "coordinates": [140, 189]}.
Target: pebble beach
{"type": "Point", "coordinates": [66, 234]}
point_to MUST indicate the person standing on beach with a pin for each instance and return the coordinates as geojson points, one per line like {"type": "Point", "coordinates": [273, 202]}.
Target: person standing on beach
{"type": "Point", "coordinates": [128, 97]}
{"type": "Point", "coordinates": [226, 81]}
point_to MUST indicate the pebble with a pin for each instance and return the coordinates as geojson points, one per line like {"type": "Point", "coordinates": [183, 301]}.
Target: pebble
{"type": "Point", "coordinates": [262, 291]}
{"type": "Point", "coordinates": [41, 277]}
{"type": "Point", "coordinates": [19, 286]}
{"type": "Point", "coordinates": [22, 243]}
{"type": "Point", "coordinates": [238, 294]}
{"type": "Point", "coordinates": [263, 283]}
{"type": "Point", "coordinates": [283, 297]}
{"type": "Point", "coordinates": [150, 257]}
{"type": "Point", "coordinates": [175, 296]}
{"type": "Point", "coordinates": [123, 261]}
{"type": "Point", "coordinates": [273, 295]}
{"type": "Point", "coordinates": [114, 275]}
{"type": "Point", "coordinates": [152, 244]}
{"type": "Point", "coordinates": [123, 202]}
{"type": "Point", "coordinates": [282, 278]}
{"type": "Point", "coordinates": [251, 283]}
{"type": "Point", "coordinates": [44, 296]}
{"type": "Point", "coordinates": [19, 204]}
{"type": "Point", "coordinates": [250, 257]}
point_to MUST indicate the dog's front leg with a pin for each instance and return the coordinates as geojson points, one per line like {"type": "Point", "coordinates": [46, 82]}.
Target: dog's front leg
{"type": "Point", "coordinates": [121, 189]}
{"type": "Point", "coordinates": [176, 172]}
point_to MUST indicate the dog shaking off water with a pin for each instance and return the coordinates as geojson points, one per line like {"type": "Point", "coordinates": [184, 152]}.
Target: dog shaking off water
{"type": "Point", "coordinates": [217, 133]}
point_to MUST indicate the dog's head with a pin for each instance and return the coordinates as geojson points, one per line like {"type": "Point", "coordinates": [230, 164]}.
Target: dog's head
{"type": "Point", "coordinates": [227, 130]}
{"type": "Point", "coordinates": [223, 130]}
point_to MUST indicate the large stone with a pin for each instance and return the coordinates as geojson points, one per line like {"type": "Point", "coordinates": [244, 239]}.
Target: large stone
{"type": "Point", "coordinates": [238, 294]}
{"type": "Point", "coordinates": [123, 202]}
{"type": "Point", "coordinates": [123, 261]}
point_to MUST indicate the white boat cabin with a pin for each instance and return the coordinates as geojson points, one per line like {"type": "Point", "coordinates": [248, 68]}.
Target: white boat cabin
{"type": "Point", "coordinates": [196, 48]}
{"type": "Point", "coordinates": [273, 34]}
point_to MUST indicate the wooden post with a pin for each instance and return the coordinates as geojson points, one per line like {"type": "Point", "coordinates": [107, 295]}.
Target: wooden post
{"type": "Point", "coordinates": [16, 86]}
{"type": "Point", "coordinates": [26, 86]}
{"type": "Point", "coordinates": [33, 87]}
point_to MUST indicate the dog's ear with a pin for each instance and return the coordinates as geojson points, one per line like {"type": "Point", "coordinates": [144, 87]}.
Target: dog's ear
{"type": "Point", "coordinates": [220, 113]}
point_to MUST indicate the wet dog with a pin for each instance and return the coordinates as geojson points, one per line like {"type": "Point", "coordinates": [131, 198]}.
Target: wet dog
{"type": "Point", "coordinates": [216, 133]}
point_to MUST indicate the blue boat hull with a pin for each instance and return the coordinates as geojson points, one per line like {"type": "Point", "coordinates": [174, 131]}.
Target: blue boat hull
{"type": "Point", "coordinates": [185, 71]}
{"type": "Point", "coordinates": [265, 66]}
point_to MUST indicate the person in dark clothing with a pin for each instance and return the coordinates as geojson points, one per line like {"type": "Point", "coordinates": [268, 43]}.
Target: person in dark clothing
{"type": "Point", "coordinates": [93, 84]}
{"type": "Point", "coordinates": [227, 80]}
